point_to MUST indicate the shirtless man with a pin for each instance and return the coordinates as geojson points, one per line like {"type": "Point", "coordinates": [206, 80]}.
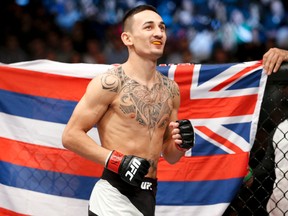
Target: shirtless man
{"type": "Point", "coordinates": [135, 109]}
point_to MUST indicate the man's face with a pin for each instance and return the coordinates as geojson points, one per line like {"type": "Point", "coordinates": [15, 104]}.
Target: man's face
{"type": "Point", "coordinates": [148, 34]}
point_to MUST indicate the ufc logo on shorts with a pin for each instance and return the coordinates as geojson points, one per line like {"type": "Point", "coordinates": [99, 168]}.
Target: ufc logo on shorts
{"type": "Point", "coordinates": [133, 168]}
{"type": "Point", "coordinates": [146, 185]}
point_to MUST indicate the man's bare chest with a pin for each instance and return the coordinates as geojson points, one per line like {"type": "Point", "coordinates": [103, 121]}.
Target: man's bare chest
{"type": "Point", "coordinates": [151, 107]}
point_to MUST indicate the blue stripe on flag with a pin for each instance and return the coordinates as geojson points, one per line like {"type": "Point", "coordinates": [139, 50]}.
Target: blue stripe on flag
{"type": "Point", "coordinates": [80, 187]}
{"type": "Point", "coordinates": [242, 129]}
{"type": "Point", "coordinates": [47, 182]}
{"type": "Point", "coordinates": [208, 71]}
{"type": "Point", "coordinates": [204, 148]}
{"type": "Point", "coordinates": [40, 108]}
{"type": "Point", "coordinates": [250, 81]}
{"type": "Point", "coordinates": [197, 192]}
{"type": "Point", "coordinates": [163, 69]}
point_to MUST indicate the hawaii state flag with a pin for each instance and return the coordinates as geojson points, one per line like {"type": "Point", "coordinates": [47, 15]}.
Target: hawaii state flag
{"type": "Point", "coordinates": [39, 177]}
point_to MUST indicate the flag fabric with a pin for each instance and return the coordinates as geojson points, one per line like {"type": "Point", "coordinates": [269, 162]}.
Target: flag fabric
{"type": "Point", "coordinates": [39, 177]}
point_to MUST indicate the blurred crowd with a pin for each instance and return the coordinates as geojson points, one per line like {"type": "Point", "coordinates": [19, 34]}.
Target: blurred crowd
{"type": "Point", "coordinates": [88, 31]}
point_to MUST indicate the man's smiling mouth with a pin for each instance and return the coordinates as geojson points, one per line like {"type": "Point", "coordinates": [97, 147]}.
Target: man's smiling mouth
{"type": "Point", "coordinates": [157, 42]}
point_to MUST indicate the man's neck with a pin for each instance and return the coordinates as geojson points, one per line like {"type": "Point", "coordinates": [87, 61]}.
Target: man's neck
{"type": "Point", "coordinates": [143, 71]}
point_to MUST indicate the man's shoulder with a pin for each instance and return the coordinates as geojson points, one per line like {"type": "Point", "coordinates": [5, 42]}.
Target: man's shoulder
{"type": "Point", "coordinates": [116, 69]}
{"type": "Point", "coordinates": [171, 86]}
{"type": "Point", "coordinates": [110, 79]}
{"type": "Point", "coordinates": [167, 81]}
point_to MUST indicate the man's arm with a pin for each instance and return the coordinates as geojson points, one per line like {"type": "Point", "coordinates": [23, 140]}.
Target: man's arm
{"type": "Point", "coordinates": [179, 136]}
{"type": "Point", "coordinates": [90, 109]}
{"type": "Point", "coordinates": [86, 114]}
{"type": "Point", "coordinates": [273, 59]}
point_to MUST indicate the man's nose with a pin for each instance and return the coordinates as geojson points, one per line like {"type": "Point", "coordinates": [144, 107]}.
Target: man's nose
{"type": "Point", "coordinates": [159, 33]}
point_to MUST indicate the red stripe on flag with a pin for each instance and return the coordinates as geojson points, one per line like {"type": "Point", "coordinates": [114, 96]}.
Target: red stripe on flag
{"type": "Point", "coordinates": [64, 161]}
{"type": "Point", "coordinates": [236, 76]}
{"type": "Point", "coordinates": [218, 107]}
{"type": "Point", "coordinates": [42, 84]}
{"type": "Point", "coordinates": [47, 158]}
{"type": "Point", "coordinates": [201, 168]}
{"type": "Point", "coordinates": [6, 212]}
{"type": "Point", "coordinates": [219, 139]}
{"type": "Point", "coordinates": [183, 77]}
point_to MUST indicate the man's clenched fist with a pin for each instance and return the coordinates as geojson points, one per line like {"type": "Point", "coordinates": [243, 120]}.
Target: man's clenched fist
{"type": "Point", "coordinates": [131, 169]}
{"type": "Point", "coordinates": [187, 135]}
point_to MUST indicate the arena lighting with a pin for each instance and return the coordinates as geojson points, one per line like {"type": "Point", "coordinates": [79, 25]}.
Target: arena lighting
{"type": "Point", "coordinates": [22, 2]}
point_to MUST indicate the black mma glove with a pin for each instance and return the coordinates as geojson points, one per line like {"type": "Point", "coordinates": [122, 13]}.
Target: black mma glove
{"type": "Point", "coordinates": [131, 169]}
{"type": "Point", "coordinates": [187, 135]}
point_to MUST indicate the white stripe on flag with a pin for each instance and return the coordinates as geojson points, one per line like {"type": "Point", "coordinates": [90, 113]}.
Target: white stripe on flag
{"type": "Point", "coordinates": [203, 210]}
{"type": "Point", "coordinates": [82, 70]}
{"type": "Point", "coordinates": [34, 203]}
{"type": "Point", "coordinates": [35, 131]}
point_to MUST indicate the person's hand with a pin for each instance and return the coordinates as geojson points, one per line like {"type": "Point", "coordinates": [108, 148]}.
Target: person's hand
{"type": "Point", "coordinates": [183, 134]}
{"type": "Point", "coordinates": [248, 179]}
{"type": "Point", "coordinates": [273, 59]}
{"type": "Point", "coordinates": [131, 169]}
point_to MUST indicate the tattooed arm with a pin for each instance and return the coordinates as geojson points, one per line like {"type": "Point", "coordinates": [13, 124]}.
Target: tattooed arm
{"type": "Point", "coordinates": [90, 109]}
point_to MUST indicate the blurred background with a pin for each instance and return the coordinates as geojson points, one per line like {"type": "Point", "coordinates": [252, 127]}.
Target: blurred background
{"type": "Point", "coordinates": [88, 31]}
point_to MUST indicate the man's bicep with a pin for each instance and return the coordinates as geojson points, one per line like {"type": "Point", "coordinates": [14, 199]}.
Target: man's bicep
{"type": "Point", "coordinates": [86, 116]}
{"type": "Point", "coordinates": [91, 107]}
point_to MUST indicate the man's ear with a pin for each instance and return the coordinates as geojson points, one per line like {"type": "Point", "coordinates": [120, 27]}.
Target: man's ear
{"type": "Point", "coordinates": [126, 38]}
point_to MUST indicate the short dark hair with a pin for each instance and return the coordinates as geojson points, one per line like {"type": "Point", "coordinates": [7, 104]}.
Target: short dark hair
{"type": "Point", "coordinates": [136, 10]}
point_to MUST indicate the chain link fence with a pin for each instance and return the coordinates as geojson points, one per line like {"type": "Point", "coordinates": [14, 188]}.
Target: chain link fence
{"type": "Point", "coordinates": [252, 199]}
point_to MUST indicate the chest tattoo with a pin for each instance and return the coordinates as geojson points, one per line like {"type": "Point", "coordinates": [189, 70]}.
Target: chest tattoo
{"type": "Point", "coordinates": [151, 107]}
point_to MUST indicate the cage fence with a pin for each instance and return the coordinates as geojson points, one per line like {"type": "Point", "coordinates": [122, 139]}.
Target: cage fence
{"type": "Point", "coordinates": [252, 199]}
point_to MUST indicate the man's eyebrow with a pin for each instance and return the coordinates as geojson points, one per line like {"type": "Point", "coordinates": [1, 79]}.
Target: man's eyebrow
{"type": "Point", "coordinates": [151, 22]}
